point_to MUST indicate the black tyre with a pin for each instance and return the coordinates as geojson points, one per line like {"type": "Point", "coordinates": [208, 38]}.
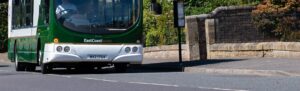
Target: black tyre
{"type": "Point", "coordinates": [45, 68]}
{"type": "Point", "coordinates": [31, 67]}
{"type": "Point", "coordinates": [18, 65]}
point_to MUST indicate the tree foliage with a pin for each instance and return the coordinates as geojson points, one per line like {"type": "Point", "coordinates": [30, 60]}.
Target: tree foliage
{"type": "Point", "coordinates": [159, 29]}
{"type": "Point", "coordinates": [280, 18]}
{"type": "Point", "coordinates": [3, 1]}
{"type": "Point", "coordinates": [194, 7]}
{"type": "Point", "coordinates": [3, 26]}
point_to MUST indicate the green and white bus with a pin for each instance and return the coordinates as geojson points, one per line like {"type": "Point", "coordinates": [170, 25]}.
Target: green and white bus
{"type": "Point", "coordinates": [74, 33]}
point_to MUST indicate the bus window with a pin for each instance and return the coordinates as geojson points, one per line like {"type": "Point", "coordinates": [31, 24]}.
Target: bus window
{"type": "Point", "coordinates": [16, 14]}
{"type": "Point", "coordinates": [28, 13]}
{"type": "Point", "coordinates": [46, 10]}
{"type": "Point", "coordinates": [106, 16]}
{"type": "Point", "coordinates": [17, 2]}
{"type": "Point", "coordinates": [22, 14]}
{"type": "Point", "coordinates": [64, 9]}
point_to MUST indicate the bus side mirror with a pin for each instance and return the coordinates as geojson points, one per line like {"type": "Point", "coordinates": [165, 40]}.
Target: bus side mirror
{"type": "Point", "coordinates": [156, 7]}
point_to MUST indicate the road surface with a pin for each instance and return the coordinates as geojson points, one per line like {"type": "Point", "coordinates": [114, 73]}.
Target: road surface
{"type": "Point", "coordinates": [139, 80]}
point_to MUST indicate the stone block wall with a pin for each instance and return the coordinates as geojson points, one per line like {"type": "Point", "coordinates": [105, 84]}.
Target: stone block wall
{"type": "Point", "coordinates": [229, 33]}
{"type": "Point", "coordinates": [195, 37]}
{"type": "Point", "coordinates": [165, 52]}
{"type": "Point", "coordinates": [234, 25]}
{"type": "Point", "coordinates": [255, 50]}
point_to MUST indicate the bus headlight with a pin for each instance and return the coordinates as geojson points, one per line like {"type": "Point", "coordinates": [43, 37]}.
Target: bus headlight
{"type": "Point", "coordinates": [67, 49]}
{"type": "Point", "coordinates": [127, 49]}
{"type": "Point", "coordinates": [59, 48]}
{"type": "Point", "coordinates": [135, 49]}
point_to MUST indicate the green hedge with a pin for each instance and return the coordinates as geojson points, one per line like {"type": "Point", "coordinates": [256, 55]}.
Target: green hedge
{"type": "Point", "coordinates": [195, 7]}
{"type": "Point", "coordinates": [159, 29]}
{"type": "Point", "coordinates": [3, 27]}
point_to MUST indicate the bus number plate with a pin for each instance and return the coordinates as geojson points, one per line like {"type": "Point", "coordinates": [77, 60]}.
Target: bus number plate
{"type": "Point", "coordinates": [101, 57]}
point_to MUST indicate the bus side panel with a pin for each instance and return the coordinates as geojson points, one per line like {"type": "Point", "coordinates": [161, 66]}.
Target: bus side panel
{"type": "Point", "coordinates": [25, 49]}
{"type": "Point", "coordinates": [10, 53]}
{"type": "Point", "coordinates": [20, 49]}
{"type": "Point", "coordinates": [33, 47]}
{"type": "Point", "coordinates": [23, 34]}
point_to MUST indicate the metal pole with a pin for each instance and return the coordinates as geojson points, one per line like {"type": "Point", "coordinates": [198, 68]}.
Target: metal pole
{"type": "Point", "coordinates": [180, 48]}
{"type": "Point", "coordinates": [178, 21]}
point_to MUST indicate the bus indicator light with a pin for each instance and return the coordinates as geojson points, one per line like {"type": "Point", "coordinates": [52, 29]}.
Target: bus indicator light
{"type": "Point", "coordinates": [55, 40]}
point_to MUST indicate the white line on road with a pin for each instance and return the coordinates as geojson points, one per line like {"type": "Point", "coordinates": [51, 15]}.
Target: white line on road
{"type": "Point", "coordinates": [59, 75]}
{"type": "Point", "coordinates": [4, 71]}
{"type": "Point", "coordinates": [222, 89]}
{"type": "Point", "coordinates": [105, 80]}
{"type": "Point", "coordinates": [157, 84]}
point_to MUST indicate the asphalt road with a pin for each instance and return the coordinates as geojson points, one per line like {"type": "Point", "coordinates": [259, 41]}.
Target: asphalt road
{"type": "Point", "coordinates": [139, 80]}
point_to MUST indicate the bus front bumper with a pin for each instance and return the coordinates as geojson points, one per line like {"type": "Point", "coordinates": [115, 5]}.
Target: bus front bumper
{"type": "Point", "coordinates": [55, 53]}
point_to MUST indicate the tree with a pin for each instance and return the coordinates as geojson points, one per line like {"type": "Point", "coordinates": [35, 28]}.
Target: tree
{"type": "Point", "coordinates": [3, 1]}
{"type": "Point", "coordinates": [3, 26]}
{"type": "Point", "coordinates": [159, 29]}
{"type": "Point", "coordinates": [194, 7]}
{"type": "Point", "coordinates": [279, 18]}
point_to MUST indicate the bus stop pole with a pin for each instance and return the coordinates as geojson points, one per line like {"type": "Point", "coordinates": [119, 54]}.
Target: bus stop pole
{"type": "Point", "coordinates": [180, 49]}
{"type": "Point", "coordinates": [179, 22]}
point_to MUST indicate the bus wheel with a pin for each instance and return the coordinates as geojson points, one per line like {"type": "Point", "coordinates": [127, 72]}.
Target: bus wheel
{"type": "Point", "coordinates": [45, 68]}
{"type": "Point", "coordinates": [19, 66]}
{"type": "Point", "coordinates": [121, 67]}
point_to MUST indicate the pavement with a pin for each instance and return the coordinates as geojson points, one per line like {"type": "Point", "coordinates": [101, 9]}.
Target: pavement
{"type": "Point", "coordinates": [3, 58]}
{"type": "Point", "coordinates": [254, 66]}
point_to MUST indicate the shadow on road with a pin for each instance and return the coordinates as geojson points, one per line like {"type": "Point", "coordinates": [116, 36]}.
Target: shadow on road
{"type": "Point", "coordinates": [175, 65]}
{"type": "Point", "coordinates": [110, 71]}
{"type": "Point", "coordinates": [157, 67]}
{"type": "Point", "coordinates": [211, 61]}
{"type": "Point", "coordinates": [147, 68]}
{"type": "Point", "coordinates": [4, 65]}
{"type": "Point", "coordinates": [74, 71]}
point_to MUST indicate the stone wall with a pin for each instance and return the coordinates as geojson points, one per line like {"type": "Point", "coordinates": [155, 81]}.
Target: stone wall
{"type": "Point", "coordinates": [255, 50]}
{"type": "Point", "coordinates": [165, 52]}
{"type": "Point", "coordinates": [195, 37]}
{"type": "Point", "coordinates": [228, 32]}
{"type": "Point", "coordinates": [234, 25]}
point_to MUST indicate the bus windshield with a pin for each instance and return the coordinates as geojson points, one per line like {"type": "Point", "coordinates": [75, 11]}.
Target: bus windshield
{"type": "Point", "coordinates": [97, 16]}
